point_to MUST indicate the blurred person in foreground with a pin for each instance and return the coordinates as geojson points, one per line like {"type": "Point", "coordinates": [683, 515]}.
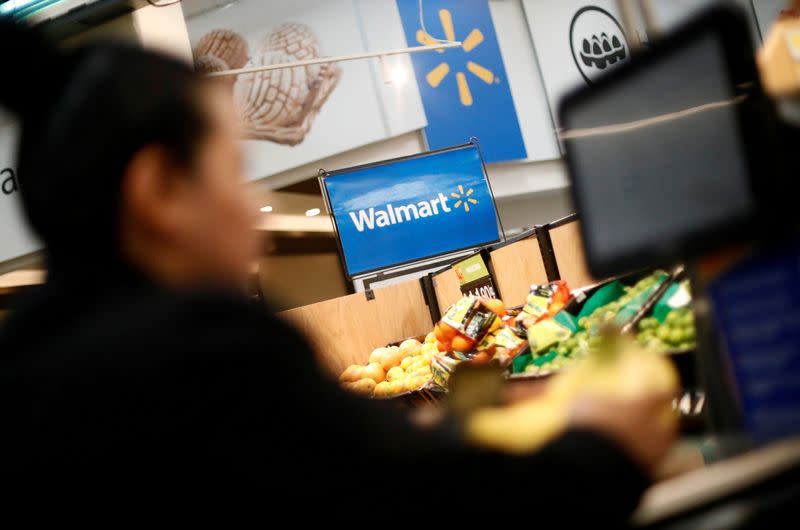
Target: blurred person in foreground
{"type": "Point", "coordinates": [139, 358]}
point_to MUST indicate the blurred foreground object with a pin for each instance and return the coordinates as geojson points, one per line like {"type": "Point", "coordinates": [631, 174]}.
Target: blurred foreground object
{"type": "Point", "coordinates": [660, 180]}
{"type": "Point", "coordinates": [621, 370]}
{"type": "Point", "coordinates": [779, 58]}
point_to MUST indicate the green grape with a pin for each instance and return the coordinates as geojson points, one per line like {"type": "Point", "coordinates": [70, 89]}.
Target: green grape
{"type": "Point", "coordinates": [662, 333]}
{"type": "Point", "coordinates": [676, 336]}
{"type": "Point", "coordinates": [673, 317]}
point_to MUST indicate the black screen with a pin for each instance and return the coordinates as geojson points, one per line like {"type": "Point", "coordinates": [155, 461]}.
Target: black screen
{"type": "Point", "coordinates": [658, 157]}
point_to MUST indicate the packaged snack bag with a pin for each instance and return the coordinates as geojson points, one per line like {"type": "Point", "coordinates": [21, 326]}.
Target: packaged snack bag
{"type": "Point", "coordinates": [507, 346]}
{"type": "Point", "coordinates": [546, 333]}
{"type": "Point", "coordinates": [467, 322]}
{"type": "Point", "coordinates": [442, 367]}
{"type": "Point", "coordinates": [543, 302]}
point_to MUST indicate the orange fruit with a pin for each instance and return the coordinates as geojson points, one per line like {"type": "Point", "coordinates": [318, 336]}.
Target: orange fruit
{"type": "Point", "coordinates": [392, 358]}
{"type": "Point", "coordinates": [437, 332]}
{"type": "Point", "coordinates": [374, 371]}
{"type": "Point", "coordinates": [352, 374]}
{"type": "Point", "coordinates": [462, 344]}
{"type": "Point", "coordinates": [482, 358]}
{"type": "Point", "coordinates": [495, 306]}
{"type": "Point", "coordinates": [410, 347]}
{"type": "Point", "coordinates": [443, 347]}
{"type": "Point", "coordinates": [395, 374]}
{"type": "Point", "coordinates": [382, 389]}
{"type": "Point", "coordinates": [447, 331]}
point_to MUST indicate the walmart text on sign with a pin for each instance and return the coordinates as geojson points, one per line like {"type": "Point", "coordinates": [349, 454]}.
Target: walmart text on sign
{"type": "Point", "coordinates": [410, 209]}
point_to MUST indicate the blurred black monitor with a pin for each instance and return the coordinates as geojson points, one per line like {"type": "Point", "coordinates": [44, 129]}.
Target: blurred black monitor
{"type": "Point", "coordinates": [670, 155]}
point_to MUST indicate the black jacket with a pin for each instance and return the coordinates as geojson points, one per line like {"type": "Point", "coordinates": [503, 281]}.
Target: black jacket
{"type": "Point", "coordinates": [112, 377]}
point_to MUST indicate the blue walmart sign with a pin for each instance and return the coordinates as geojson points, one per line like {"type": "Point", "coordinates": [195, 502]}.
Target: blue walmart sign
{"type": "Point", "coordinates": [410, 209]}
{"type": "Point", "coordinates": [464, 90]}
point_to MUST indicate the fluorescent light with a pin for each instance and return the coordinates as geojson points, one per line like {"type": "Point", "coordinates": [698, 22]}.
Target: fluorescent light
{"type": "Point", "coordinates": [13, 5]}
{"type": "Point", "coordinates": [266, 209]}
{"type": "Point", "coordinates": [312, 212]}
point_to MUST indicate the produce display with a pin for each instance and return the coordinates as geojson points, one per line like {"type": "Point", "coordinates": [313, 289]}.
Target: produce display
{"type": "Point", "coordinates": [613, 305]}
{"type": "Point", "coordinates": [619, 368]}
{"type": "Point", "coordinates": [392, 370]}
{"type": "Point", "coordinates": [477, 330]}
{"type": "Point", "coordinates": [677, 332]}
{"type": "Point", "coordinates": [621, 310]}
{"type": "Point", "coordinates": [542, 338]}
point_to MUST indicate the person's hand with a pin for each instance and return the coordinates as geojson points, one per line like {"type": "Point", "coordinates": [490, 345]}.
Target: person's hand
{"type": "Point", "coordinates": [638, 426]}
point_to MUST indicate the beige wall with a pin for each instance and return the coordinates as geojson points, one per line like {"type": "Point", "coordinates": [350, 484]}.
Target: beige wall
{"type": "Point", "coordinates": [301, 279]}
{"type": "Point", "coordinates": [526, 211]}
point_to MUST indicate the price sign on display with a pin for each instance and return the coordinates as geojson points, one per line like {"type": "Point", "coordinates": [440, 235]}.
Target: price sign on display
{"type": "Point", "coordinates": [474, 277]}
{"type": "Point", "coordinates": [412, 208]}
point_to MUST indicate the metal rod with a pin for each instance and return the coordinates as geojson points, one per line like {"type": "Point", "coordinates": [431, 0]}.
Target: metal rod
{"type": "Point", "coordinates": [628, 14]}
{"type": "Point", "coordinates": [651, 25]}
{"type": "Point", "coordinates": [326, 60]}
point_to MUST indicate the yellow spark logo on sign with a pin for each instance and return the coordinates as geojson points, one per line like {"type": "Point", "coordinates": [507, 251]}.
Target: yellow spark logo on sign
{"type": "Point", "coordinates": [438, 73]}
{"type": "Point", "coordinates": [463, 198]}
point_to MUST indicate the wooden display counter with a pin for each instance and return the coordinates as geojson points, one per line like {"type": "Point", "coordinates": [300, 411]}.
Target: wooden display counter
{"type": "Point", "coordinates": [567, 245]}
{"type": "Point", "coordinates": [345, 330]}
{"type": "Point", "coordinates": [516, 266]}
{"type": "Point", "coordinates": [447, 289]}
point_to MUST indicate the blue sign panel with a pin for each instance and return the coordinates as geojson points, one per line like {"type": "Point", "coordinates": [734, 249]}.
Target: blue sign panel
{"type": "Point", "coordinates": [757, 308]}
{"type": "Point", "coordinates": [464, 90]}
{"type": "Point", "coordinates": [409, 209]}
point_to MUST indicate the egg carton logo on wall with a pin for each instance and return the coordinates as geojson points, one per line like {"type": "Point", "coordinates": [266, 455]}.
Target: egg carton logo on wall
{"type": "Point", "coordinates": [597, 42]}
{"type": "Point", "coordinates": [274, 105]}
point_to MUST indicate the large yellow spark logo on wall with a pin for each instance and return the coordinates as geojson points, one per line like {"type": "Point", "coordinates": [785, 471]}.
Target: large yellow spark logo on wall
{"type": "Point", "coordinates": [463, 199]}
{"type": "Point", "coordinates": [437, 74]}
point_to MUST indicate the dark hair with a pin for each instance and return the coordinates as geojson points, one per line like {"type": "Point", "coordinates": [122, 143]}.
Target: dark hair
{"type": "Point", "coordinates": [84, 114]}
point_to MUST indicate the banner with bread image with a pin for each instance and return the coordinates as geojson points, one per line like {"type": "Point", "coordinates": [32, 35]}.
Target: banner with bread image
{"type": "Point", "coordinates": [274, 105]}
